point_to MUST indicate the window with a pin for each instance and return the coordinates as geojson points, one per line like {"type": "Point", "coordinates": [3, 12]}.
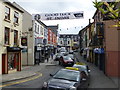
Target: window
{"type": "Point", "coordinates": [41, 31]}
{"type": "Point", "coordinates": [16, 17]}
{"type": "Point", "coordinates": [15, 37]}
{"type": "Point", "coordinates": [38, 28]}
{"type": "Point", "coordinates": [7, 13]}
{"type": "Point", "coordinates": [61, 42]}
{"type": "Point", "coordinates": [35, 27]}
{"type": "Point", "coordinates": [68, 42]}
{"type": "Point", "coordinates": [7, 36]}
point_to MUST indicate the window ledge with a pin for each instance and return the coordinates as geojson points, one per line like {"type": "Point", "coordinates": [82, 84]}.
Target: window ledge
{"type": "Point", "coordinates": [7, 20]}
{"type": "Point", "coordinates": [6, 45]}
{"type": "Point", "coordinates": [16, 24]}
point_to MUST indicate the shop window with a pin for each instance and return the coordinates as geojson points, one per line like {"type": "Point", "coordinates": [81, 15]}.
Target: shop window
{"type": "Point", "coordinates": [15, 37]}
{"type": "Point", "coordinates": [61, 42]}
{"type": "Point", "coordinates": [16, 17]}
{"type": "Point", "coordinates": [7, 36]}
{"type": "Point", "coordinates": [7, 13]}
{"type": "Point", "coordinates": [13, 60]}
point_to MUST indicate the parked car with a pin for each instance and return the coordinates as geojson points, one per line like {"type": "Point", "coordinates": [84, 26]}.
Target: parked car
{"type": "Point", "coordinates": [57, 56]}
{"type": "Point", "coordinates": [71, 52]}
{"type": "Point", "coordinates": [65, 79]}
{"type": "Point", "coordinates": [75, 50]}
{"type": "Point", "coordinates": [82, 67]}
{"type": "Point", "coordinates": [71, 56]}
{"type": "Point", "coordinates": [66, 61]}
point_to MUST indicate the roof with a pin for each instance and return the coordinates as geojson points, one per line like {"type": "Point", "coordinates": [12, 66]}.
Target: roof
{"type": "Point", "coordinates": [12, 5]}
{"type": "Point", "coordinates": [53, 27]}
{"type": "Point", "coordinates": [95, 14]}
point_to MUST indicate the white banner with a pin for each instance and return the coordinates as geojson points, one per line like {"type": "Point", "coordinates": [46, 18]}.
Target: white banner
{"type": "Point", "coordinates": [59, 16]}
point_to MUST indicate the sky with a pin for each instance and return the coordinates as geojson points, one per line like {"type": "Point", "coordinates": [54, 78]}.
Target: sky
{"type": "Point", "coordinates": [71, 26]}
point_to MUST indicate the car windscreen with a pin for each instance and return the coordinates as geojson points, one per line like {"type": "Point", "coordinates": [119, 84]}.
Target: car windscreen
{"type": "Point", "coordinates": [70, 55]}
{"type": "Point", "coordinates": [70, 75]}
{"type": "Point", "coordinates": [67, 58]}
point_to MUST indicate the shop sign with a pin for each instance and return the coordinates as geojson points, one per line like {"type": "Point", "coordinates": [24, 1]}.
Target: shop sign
{"type": "Point", "coordinates": [13, 49]}
{"type": "Point", "coordinates": [38, 48]}
{"type": "Point", "coordinates": [59, 16]}
{"type": "Point", "coordinates": [24, 50]}
{"type": "Point", "coordinates": [24, 41]}
{"type": "Point", "coordinates": [99, 50]}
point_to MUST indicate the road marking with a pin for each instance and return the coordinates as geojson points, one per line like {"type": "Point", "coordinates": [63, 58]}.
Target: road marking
{"type": "Point", "coordinates": [22, 81]}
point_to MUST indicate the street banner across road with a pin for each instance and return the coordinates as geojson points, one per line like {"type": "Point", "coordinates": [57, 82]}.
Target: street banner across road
{"type": "Point", "coordinates": [58, 16]}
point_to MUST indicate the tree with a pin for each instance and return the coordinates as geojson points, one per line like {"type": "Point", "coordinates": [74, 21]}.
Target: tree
{"type": "Point", "coordinates": [111, 10]}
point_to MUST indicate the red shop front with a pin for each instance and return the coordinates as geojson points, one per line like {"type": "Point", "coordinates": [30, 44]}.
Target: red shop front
{"type": "Point", "coordinates": [13, 59]}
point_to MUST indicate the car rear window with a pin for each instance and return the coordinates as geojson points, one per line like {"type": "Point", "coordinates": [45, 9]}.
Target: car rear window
{"type": "Point", "coordinates": [68, 74]}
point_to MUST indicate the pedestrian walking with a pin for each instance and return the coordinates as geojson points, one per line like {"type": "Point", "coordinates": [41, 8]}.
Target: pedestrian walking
{"type": "Point", "coordinates": [52, 55]}
{"type": "Point", "coordinates": [47, 56]}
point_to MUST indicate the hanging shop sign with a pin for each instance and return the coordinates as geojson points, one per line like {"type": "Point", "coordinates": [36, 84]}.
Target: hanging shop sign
{"type": "Point", "coordinates": [24, 41]}
{"type": "Point", "coordinates": [59, 16]}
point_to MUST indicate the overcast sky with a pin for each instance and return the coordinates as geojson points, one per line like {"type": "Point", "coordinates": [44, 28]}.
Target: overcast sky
{"type": "Point", "coordinates": [72, 26]}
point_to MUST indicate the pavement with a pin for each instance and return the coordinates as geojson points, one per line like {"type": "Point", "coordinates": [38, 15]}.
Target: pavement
{"type": "Point", "coordinates": [98, 78]}
{"type": "Point", "coordinates": [27, 71]}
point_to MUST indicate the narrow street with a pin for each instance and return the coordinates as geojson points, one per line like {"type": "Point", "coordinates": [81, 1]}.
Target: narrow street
{"type": "Point", "coordinates": [36, 83]}
{"type": "Point", "coordinates": [97, 78]}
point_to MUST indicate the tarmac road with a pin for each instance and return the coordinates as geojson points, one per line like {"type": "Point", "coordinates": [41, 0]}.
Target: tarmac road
{"type": "Point", "coordinates": [35, 83]}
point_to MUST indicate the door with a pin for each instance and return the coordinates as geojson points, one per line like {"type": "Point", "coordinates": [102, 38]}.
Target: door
{"type": "Point", "coordinates": [17, 61]}
{"type": "Point", "coordinates": [3, 63]}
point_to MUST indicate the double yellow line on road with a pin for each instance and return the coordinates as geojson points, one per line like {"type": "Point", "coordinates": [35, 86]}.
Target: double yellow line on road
{"type": "Point", "coordinates": [22, 81]}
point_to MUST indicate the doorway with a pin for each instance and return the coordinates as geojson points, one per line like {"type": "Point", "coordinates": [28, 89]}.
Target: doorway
{"type": "Point", "coordinates": [3, 63]}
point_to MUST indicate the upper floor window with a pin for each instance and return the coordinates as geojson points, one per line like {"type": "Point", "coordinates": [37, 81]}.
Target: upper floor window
{"type": "Point", "coordinates": [16, 17]}
{"type": "Point", "coordinates": [7, 36]}
{"type": "Point", "coordinates": [38, 28]}
{"type": "Point", "coordinates": [7, 13]}
{"type": "Point", "coordinates": [15, 37]}
{"type": "Point", "coordinates": [41, 30]}
{"type": "Point", "coordinates": [35, 27]}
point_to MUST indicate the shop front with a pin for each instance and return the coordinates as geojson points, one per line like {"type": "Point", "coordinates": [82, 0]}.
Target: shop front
{"type": "Point", "coordinates": [38, 55]}
{"type": "Point", "coordinates": [100, 58]}
{"type": "Point", "coordinates": [13, 59]}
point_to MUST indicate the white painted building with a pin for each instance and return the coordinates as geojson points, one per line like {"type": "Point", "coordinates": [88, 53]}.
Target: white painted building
{"type": "Point", "coordinates": [10, 37]}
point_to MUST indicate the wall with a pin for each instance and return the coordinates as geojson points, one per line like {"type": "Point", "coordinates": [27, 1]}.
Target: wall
{"type": "Point", "coordinates": [112, 51]}
{"type": "Point", "coordinates": [0, 38]}
{"type": "Point", "coordinates": [3, 23]}
{"type": "Point", "coordinates": [11, 26]}
{"type": "Point", "coordinates": [27, 24]}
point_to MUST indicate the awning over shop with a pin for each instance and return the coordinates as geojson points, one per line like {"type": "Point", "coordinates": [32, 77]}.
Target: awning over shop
{"type": "Point", "coordinates": [99, 50]}
{"type": "Point", "coordinates": [13, 49]}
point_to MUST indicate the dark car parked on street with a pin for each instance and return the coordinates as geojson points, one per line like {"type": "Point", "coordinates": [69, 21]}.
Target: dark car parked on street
{"type": "Point", "coordinates": [66, 61]}
{"type": "Point", "coordinates": [66, 79]}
